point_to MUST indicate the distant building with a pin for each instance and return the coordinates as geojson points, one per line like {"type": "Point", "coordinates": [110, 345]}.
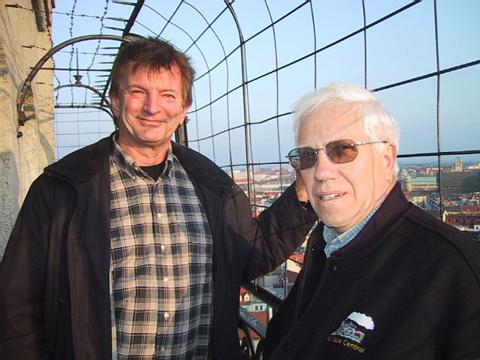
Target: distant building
{"type": "Point", "coordinates": [465, 221]}
{"type": "Point", "coordinates": [406, 180]}
{"type": "Point", "coordinates": [425, 183]}
{"type": "Point", "coordinates": [458, 167]}
{"type": "Point", "coordinates": [455, 183]}
{"type": "Point", "coordinates": [418, 184]}
{"type": "Point", "coordinates": [419, 200]}
{"type": "Point", "coordinates": [250, 302]}
{"type": "Point", "coordinates": [474, 166]}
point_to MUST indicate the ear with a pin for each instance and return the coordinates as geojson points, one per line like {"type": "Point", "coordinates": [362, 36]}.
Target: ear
{"type": "Point", "coordinates": [389, 158]}
{"type": "Point", "coordinates": [183, 115]}
{"type": "Point", "coordinates": [115, 105]}
{"type": "Point", "coordinates": [300, 187]}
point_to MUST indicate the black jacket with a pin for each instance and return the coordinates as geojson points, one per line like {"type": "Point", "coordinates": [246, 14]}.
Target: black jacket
{"type": "Point", "coordinates": [410, 283]}
{"type": "Point", "coordinates": [54, 278]}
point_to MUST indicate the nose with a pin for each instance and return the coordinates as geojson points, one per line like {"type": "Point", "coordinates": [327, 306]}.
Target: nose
{"type": "Point", "coordinates": [152, 103]}
{"type": "Point", "coordinates": [324, 168]}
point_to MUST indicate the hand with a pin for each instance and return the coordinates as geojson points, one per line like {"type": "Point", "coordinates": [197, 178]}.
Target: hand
{"type": "Point", "coordinates": [300, 188]}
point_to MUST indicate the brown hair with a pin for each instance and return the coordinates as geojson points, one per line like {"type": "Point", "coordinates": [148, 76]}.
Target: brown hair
{"type": "Point", "coordinates": [152, 54]}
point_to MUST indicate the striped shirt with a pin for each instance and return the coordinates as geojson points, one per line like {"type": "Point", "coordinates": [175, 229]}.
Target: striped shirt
{"type": "Point", "coordinates": [161, 263]}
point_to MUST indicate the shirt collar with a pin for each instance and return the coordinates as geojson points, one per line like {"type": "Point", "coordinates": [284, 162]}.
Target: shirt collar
{"type": "Point", "coordinates": [124, 160]}
{"type": "Point", "coordinates": [336, 241]}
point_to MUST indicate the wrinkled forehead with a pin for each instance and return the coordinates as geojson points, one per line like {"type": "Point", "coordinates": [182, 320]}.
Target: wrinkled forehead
{"type": "Point", "coordinates": [331, 122]}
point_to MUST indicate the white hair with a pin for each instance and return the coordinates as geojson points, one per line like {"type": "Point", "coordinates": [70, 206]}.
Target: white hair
{"type": "Point", "coordinates": [378, 123]}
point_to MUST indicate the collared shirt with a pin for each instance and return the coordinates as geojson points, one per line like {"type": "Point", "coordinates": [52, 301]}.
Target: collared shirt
{"type": "Point", "coordinates": [335, 241]}
{"type": "Point", "coordinates": [161, 263]}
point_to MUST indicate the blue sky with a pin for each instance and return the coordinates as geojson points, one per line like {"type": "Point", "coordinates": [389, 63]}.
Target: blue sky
{"type": "Point", "coordinates": [398, 49]}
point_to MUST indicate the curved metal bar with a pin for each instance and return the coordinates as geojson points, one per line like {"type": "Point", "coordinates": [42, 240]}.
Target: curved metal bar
{"type": "Point", "coordinates": [227, 79]}
{"type": "Point", "coordinates": [277, 91]}
{"type": "Point", "coordinates": [96, 91]}
{"type": "Point", "coordinates": [209, 70]}
{"type": "Point", "coordinates": [228, 3]}
{"type": "Point", "coordinates": [44, 59]}
{"type": "Point", "coordinates": [438, 120]}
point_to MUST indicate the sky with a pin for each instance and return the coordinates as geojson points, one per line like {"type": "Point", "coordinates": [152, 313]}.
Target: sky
{"type": "Point", "coordinates": [400, 48]}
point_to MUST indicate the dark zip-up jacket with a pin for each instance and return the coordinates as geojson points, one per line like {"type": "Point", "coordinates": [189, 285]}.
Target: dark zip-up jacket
{"type": "Point", "coordinates": [54, 277]}
{"type": "Point", "coordinates": [407, 287]}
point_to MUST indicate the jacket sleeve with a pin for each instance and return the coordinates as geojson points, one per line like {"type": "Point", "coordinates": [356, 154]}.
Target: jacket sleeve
{"type": "Point", "coordinates": [22, 273]}
{"type": "Point", "coordinates": [272, 238]}
{"type": "Point", "coordinates": [457, 323]}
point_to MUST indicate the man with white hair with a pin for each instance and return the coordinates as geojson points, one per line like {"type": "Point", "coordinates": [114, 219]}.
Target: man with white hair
{"type": "Point", "coordinates": [382, 279]}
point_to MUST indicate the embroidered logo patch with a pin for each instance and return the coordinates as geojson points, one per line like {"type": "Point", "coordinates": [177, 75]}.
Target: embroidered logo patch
{"type": "Point", "coordinates": [352, 331]}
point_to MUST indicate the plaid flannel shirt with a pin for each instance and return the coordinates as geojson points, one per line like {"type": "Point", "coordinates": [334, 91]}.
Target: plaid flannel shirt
{"type": "Point", "coordinates": [161, 263]}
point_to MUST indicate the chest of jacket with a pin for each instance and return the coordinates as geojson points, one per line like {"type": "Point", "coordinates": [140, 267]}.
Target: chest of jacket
{"type": "Point", "coordinates": [382, 305]}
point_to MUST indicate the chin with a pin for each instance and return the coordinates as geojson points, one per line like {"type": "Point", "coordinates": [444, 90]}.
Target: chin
{"type": "Point", "coordinates": [334, 221]}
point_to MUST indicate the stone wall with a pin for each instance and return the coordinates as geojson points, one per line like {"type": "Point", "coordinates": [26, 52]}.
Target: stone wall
{"type": "Point", "coordinates": [24, 38]}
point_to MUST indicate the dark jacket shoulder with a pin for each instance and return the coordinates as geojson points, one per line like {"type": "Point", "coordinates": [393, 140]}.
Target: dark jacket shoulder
{"type": "Point", "coordinates": [446, 240]}
{"type": "Point", "coordinates": [202, 169]}
{"type": "Point", "coordinates": [83, 164]}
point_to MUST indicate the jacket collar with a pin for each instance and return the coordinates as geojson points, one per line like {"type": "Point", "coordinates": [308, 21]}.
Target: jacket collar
{"type": "Point", "coordinates": [82, 165]}
{"type": "Point", "coordinates": [380, 225]}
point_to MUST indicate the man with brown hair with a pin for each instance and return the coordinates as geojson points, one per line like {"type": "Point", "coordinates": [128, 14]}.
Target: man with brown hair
{"type": "Point", "coordinates": [135, 247]}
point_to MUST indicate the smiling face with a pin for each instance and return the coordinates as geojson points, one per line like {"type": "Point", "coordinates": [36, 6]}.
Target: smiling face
{"type": "Point", "coordinates": [342, 195]}
{"type": "Point", "coordinates": [149, 108]}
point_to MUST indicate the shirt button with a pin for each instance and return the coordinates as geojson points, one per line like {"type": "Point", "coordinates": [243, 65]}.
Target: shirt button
{"type": "Point", "coordinates": [162, 349]}
{"type": "Point", "coordinates": [333, 267]}
{"type": "Point", "coordinates": [165, 279]}
{"type": "Point", "coordinates": [162, 247]}
{"type": "Point", "coordinates": [166, 316]}
{"type": "Point", "coordinates": [159, 215]}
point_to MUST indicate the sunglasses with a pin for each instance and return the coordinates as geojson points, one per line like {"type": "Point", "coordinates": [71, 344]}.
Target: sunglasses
{"type": "Point", "coordinates": [339, 152]}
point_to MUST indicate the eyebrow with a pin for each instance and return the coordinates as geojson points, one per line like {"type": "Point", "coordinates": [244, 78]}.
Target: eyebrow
{"type": "Point", "coordinates": [171, 90]}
